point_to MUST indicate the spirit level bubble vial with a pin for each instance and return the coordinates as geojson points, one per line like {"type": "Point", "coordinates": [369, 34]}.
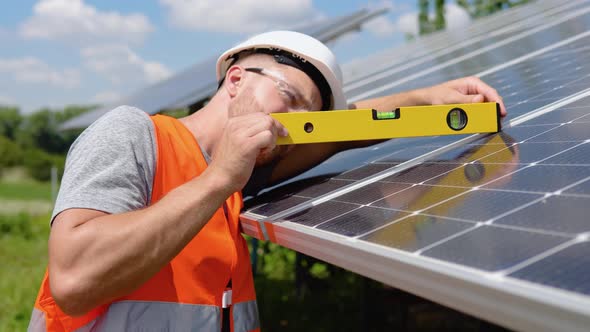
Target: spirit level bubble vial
{"type": "Point", "coordinates": [369, 124]}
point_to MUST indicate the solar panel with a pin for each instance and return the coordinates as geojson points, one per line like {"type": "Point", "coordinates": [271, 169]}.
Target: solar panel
{"type": "Point", "coordinates": [494, 225]}
{"type": "Point", "coordinates": [566, 269]}
{"type": "Point", "coordinates": [435, 44]}
{"type": "Point", "coordinates": [481, 56]}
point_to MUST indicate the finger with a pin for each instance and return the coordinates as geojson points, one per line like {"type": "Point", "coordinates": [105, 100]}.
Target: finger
{"type": "Point", "coordinates": [456, 97]}
{"type": "Point", "coordinates": [503, 111]}
{"type": "Point", "coordinates": [477, 98]}
{"type": "Point", "coordinates": [477, 86]}
{"type": "Point", "coordinates": [252, 127]}
{"type": "Point", "coordinates": [264, 140]}
{"type": "Point", "coordinates": [282, 131]}
{"type": "Point", "coordinates": [266, 122]}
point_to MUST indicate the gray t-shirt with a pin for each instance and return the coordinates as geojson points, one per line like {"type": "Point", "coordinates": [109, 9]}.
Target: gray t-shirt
{"type": "Point", "coordinates": [111, 165]}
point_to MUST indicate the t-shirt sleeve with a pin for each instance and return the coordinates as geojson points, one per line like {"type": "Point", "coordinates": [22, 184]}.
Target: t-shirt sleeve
{"type": "Point", "coordinates": [111, 166]}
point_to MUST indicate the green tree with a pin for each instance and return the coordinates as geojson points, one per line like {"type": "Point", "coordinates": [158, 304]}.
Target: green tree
{"type": "Point", "coordinates": [38, 164]}
{"type": "Point", "coordinates": [10, 120]}
{"type": "Point", "coordinates": [10, 153]}
{"type": "Point", "coordinates": [41, 130]}
{"type": "Point", "coordinates": [475, 8]}
{"type": "Point", "coordinates": [426, 24]}
{"type": "Point", "coordinates": [439, 19]}
{"type": "Point", "coordinates": [423, 6]}
{"type": "Point", "coordinates": [480, 8]}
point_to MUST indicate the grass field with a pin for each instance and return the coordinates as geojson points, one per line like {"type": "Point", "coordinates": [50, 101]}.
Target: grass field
{"type": "Point", "coordinates": [24, 256]}
{"type": "Point", "coordinates": [25, 191]}
{"type": "Point", "coordinates": [25, 208]}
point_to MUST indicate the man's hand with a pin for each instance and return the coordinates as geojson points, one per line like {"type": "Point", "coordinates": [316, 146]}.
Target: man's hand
{"type": "Point", "coordinates": [462, 91]}
{"type": "Point", "coordinates": [243, 139]}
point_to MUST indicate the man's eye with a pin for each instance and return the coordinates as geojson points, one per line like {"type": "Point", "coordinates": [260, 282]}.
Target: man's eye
{"type": "Point", "coordinates": [289, 97]}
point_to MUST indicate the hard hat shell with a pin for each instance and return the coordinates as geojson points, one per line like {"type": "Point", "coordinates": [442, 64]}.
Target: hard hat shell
{"type": "Point", "coordinates": [304, 47]}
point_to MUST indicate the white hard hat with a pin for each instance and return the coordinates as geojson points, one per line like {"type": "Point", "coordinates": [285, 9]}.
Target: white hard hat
{"type": "Point", "coordinates": [298, 50]}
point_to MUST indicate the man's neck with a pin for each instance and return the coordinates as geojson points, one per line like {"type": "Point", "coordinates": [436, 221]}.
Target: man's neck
{"type": "Point", "coordinates": [207, 125]}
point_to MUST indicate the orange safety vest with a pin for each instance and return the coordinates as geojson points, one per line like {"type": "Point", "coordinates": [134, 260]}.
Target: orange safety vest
{"type": "Point", "coordinates": [187, 294]}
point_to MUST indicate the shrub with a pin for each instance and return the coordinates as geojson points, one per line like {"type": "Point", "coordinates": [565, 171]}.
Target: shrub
{"type": "Point", "coordinates": [19, 224]}
{"type": "Point", "coordinates": [38, 164]}
{"type": "Point", "coordinates": [10, 153]}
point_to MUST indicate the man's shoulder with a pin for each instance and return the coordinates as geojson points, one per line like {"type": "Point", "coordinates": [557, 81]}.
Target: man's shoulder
{"type": "Point", "coordinates": [125, 115]}
{"type": "Point", "coordinates": [117, 128]}
{"type": "Point", "coordinates": [111, 165]}
{"type": "Point", "coordinates": [123, 121]}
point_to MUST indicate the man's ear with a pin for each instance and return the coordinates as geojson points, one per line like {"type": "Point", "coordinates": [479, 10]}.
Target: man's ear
{"type": "Point", "coordinates": [233, 80]}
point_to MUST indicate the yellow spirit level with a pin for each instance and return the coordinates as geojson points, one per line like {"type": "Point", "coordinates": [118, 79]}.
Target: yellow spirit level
{"type": "Point", "coordinates": [369, 124]}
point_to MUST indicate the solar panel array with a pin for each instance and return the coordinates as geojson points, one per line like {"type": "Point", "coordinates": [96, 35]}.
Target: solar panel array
{"type": "Point", "coordinates": [495, 225]}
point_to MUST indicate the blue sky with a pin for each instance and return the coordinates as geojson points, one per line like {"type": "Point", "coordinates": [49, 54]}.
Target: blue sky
{"type": "Point", "coordinates": [60, 52]}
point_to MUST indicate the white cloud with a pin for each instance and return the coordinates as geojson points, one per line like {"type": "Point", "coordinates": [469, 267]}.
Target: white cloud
{"type": "Point", "coordinates": [5, 100]}
{"type": "Point", "coordinates": [408, 24]}
{"type": "Point", "coordinates": [76, 22]}
{"type": "Point", "coordinates": [240, 16]}
{"type": "Point", "coordinates": [456, 17]}
{"type": "Point", "coordinates": [106, 97]}
{"type": "Point", "coordinates": [381, 27]}
{"type": "Point", "coordinates": [121, 65]}
{"type": "Point", "coordinates": [33, 70]}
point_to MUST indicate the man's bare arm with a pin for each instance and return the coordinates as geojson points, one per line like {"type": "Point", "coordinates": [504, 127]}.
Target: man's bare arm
{"type": "Point", "coordinates": [96, 257]}
{"type": "Point", "coordinates": [464, 90]}
{"type": "Point", "coordinates": [306, 156]}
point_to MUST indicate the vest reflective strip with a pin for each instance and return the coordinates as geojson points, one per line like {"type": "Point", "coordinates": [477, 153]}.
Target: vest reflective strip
{"type": "Point", "coordinates": [37, 322]}
{"type": "Point", "coordinates": [147, 316]}
{"type": "Point", "coordinates": [245, 316]}
{"type": "Point", "coordinates": [160, 316]}
{"type": "Point", "coordinates": [137, 315]}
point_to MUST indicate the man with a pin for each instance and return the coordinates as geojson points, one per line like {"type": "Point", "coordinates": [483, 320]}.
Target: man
{"type": "Point", "coordinates": [145, 233]}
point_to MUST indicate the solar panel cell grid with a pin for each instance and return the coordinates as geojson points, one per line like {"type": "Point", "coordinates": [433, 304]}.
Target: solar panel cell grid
{"type": "Point", "coordinates": [481, 205]}
{"type": "Point", "coordinates": [372, 192]}
{"type": "Point", "coordinates": [278, 205]}
{"type": "Point", "coordinates": [406, 154]}
{"type": "Point", "coordinates": [416, 232]}
{"type": "Point", "coordinates": [582, 188]}
{"type": "Point", "coordinates": [547, 214]}
{"type": "Point", "coordinates": [364, 171]}
{"type": "Point", "coordinates": [579, 155]}
{"type": "Point", "coordinates": [542, 178]}
{"type": "Point", "coordinates": [297, 194]}
{"type": "Point", "coordinates": [329, 210]}
{"type": "Point", "coordinates": [493, 248]}
{"type": "Point", "coordinates": [420, 173]}
{"type": "Point", "coordinates": [561, 115]}
{"type": "Point", "coordinates": [418, 197]}
{"type": "Point", "coordinates": [530, 152]}
{"type": "Point", "coordinates": [570, 132]}
{"type": "Point", "coordinates": [568, 269]}
{"type": "Point", "coordinates": [361, 221]}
